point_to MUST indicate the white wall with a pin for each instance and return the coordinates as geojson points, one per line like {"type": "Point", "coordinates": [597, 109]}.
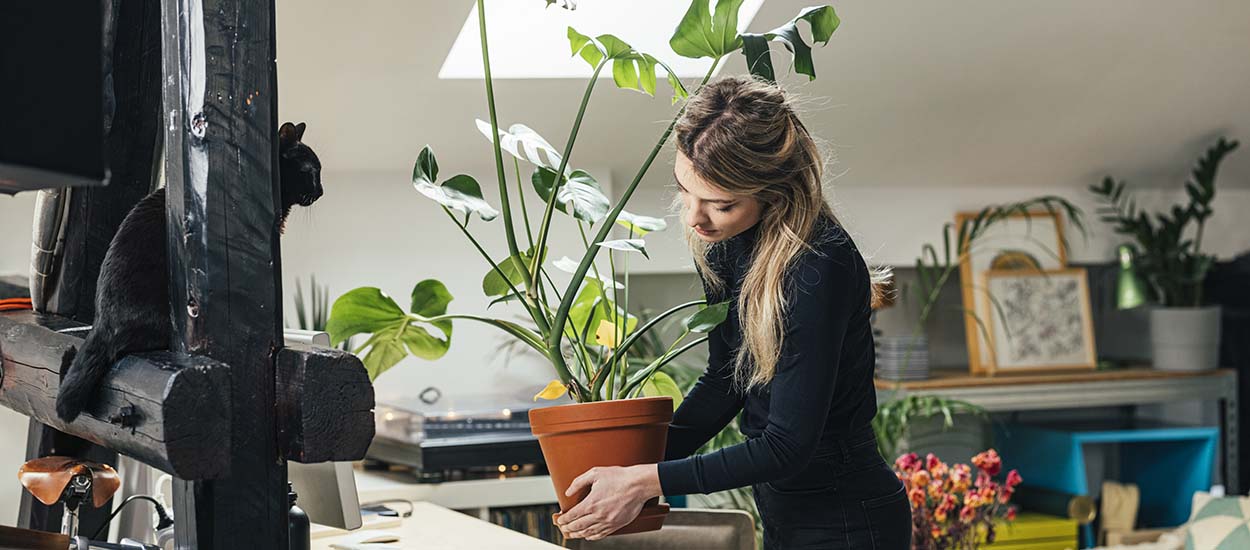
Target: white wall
{"type": "Point", "coordinates": [892, 221]}
{"type": "Point", "coordinates": [374, 229]}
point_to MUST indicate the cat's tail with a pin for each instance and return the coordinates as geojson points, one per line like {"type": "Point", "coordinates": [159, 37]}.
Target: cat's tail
{"type": "Point", "coordinates": [80, 382]}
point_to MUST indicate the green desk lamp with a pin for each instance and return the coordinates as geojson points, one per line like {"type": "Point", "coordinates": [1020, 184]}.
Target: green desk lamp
{"type": "Point", "coordinates": [1129, 292]}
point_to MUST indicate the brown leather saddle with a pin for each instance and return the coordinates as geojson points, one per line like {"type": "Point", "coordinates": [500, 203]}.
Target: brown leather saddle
{"type": "Point", "coordinates": [47, 478]}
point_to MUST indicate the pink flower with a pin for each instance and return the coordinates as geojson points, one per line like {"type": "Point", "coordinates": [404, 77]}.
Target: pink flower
{"type": "Point", "coordinates": [983, 480]}
{"type": "Point", "coordinates": [1011, 514]}
{"type": "Point", "coordinates": [907, 463]}
{"type": "Point", "coordinates": [931, 461]}
{"type": "Point", "coordinates": [967, 514]}
{"type": "Point", "coordinates": [1014, 479]}
{"type": "Point", "coordinates": [988, 462]}
{"type": "Point", "coordinates": [1005, 496]}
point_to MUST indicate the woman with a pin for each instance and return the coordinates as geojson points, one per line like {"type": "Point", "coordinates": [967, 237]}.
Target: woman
{"type": "Point", "coordinates": [795, 354]}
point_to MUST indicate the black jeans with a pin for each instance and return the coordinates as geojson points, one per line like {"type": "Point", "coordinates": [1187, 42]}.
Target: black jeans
{"type": "Point", "coordinates": [846, 498]}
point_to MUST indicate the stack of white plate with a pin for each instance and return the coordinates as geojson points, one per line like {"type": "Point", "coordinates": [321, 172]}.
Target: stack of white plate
{"type": "Point", "coordinates": [902, 357]}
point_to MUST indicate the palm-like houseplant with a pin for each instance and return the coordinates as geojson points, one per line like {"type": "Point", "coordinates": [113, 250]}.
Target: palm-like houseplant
{"type": "Point", "coordinates": [1166, 252]}
{"type": "Point", "coordinates": [588, 313]}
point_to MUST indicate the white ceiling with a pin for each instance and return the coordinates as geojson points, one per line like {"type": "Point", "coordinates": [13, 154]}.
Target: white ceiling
{"type": "Point", "coordinates": [973, 92]}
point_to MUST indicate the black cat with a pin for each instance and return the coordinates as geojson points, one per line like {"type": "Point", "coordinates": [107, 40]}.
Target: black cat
{"type": "Point", "coordinates": [132, 293]}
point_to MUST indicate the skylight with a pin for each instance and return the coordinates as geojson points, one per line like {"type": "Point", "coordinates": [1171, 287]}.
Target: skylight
{"type": "Point", "coordinates": [529, 40]}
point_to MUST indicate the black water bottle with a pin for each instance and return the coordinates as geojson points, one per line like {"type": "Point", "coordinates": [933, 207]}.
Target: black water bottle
{"type": "Point", "coordinates": [297, 524]}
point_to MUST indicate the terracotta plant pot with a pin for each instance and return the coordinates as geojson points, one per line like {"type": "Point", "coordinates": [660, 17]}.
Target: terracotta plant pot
{"type": "Point", "coordinates": [578, 437]}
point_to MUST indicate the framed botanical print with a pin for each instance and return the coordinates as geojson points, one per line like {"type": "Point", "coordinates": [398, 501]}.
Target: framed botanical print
{"type": "Point", "coordinates": [1029, 242]}
{"type": "Point", "coordinates": [1041, 320]}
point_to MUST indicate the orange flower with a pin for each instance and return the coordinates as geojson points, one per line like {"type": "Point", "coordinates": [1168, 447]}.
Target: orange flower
{"type": "Point", "coordinates": [1011, 514]}
{"type": "Point", "coordinates": [940, 514]}
{"type": "Point", "coordinates": [935, 532]}
{"type": "Point", "coordinates": [967, 514]}
{"type": "Point", "coordinates": [931, 461]}
{"type": "Point", "coordinates": [988, 462]}
{"type": "Point", "coordinates": [917, 497]}
{"type": "Point", "coordinates": [920, 479]}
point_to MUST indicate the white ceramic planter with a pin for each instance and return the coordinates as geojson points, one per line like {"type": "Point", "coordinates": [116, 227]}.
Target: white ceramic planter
{"type": "Point", "coordinates": [1185, 338]}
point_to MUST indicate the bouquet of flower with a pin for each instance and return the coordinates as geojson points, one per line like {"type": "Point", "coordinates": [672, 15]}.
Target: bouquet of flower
{"type": "Point", "coordinates": [952, 509]}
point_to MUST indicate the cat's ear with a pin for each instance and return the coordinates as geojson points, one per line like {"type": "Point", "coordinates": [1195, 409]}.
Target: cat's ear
{"type": "Point", "coordinates": [299, 131]}
{"type": "Point", "coordinates": [288, 134]}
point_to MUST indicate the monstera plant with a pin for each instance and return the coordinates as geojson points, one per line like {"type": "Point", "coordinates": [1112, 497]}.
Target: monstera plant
{"type": "Point", "coordinates": [587, 313]}
{"type": "Point", "coordinates": [622, 414]}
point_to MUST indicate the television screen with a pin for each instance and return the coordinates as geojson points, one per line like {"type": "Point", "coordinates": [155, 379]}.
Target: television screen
{"type": "Point", "coordinates": [51, 95]}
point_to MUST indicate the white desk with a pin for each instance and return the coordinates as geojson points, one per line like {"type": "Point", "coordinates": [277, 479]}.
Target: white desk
{"type": "Point", "coordinates": [437, 525]}
{"type": "Point", "coordinates": [433, 527]}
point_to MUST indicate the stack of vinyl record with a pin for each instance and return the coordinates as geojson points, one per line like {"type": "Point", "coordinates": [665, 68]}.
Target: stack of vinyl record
{"type": "Point", "coordinates": [902, 357]}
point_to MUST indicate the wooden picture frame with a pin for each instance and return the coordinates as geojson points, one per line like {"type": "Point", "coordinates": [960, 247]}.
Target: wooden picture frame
{"type": "Point", "coordinates": [1033, 238]}
{"type": "Point", "coordinates": [1049, 318]}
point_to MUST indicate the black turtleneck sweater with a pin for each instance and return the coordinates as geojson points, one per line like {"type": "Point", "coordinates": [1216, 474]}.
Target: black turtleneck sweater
{"type": "Point", "coordinates": [822, 389]}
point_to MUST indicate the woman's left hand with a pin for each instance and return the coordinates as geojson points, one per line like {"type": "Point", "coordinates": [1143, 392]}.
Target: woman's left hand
{"type": "Point", "coordinates": [617, 494]}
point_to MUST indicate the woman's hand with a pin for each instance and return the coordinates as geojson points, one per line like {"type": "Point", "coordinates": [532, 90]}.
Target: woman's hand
{"type": "Point", "coordinates": [617, 494]}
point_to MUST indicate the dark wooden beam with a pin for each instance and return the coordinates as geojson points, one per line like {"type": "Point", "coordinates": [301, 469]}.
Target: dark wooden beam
{"type": "Point", "coordinates": [222, 207]}
{"type": "Point", "coordinates": [169, 411]}
{"type": "Point", "coordinates": [325, 405]}
{"type": "Point", "coordinates": [132, 87]}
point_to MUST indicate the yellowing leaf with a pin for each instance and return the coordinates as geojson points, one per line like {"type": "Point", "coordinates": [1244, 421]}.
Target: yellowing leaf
{"type": "Point", "coordinates": [554, 390]}
{"type": "Point", "coordinates": [605, 335]}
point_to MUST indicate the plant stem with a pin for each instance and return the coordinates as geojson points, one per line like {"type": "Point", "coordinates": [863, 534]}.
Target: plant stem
{"type": "Point", "coordinates": [629, 340]}
{"type": "Point", "coordinates": [513, 250]}
{"type": "Point", "coordinates": [539, 318]}
{"type": "Point", "coordinates": [520, 186]}
{"type": "Point", "coordinates": [563, 312]}
{"type": "Point", "coordinates": [545, 228]}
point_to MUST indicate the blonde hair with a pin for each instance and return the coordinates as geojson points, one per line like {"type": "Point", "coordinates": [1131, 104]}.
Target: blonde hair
{"type": "Point", "coordinates": [743, 136]}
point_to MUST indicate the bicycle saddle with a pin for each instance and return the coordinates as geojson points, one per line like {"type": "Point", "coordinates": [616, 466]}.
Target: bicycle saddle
{"type": "Point", "coordinates": [47, 478]}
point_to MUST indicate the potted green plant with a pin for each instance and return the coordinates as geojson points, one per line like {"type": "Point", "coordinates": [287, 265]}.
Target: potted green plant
{"type": "Point", "coordinates": [614, 421]}
{"type": "Point", "coordinates": [1166, 253]}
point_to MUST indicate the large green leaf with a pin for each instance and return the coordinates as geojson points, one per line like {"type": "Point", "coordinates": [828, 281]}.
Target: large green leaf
{"type": "Point", "coordinates": [707, 317]}
{"type": "Point", "coordinates": [640, 225]}
{"type": "Point", "coordinates": [822, 20]}
{"type": "Point", "coordinates": [362, 310]}
{"type": "Point", "coordinates": [627, 245]}
{"type": "Point", "coordinates": [581, 191]}
{"type": "Point", "coordinates": [385, 351]}
{"type": "Point", "coordinates": [429, 299]}
{"type": "Point", "coordinates": [589, 309]}
{"type": "Point", "coordinates": [394, 333]}
{"type": "Point", "coordinates": [704, 33]}
{"type": "Point", "coordinates": [662, 385]}
{"type": "Point", "coordinates": [460, 193]}
{"type": "Point", "coordinates": [631, 69]}
{"type": "Point", "coordinates": [494, 284]}
{"type": "Point", "coordinates": [525, 144]}
{"type": "Point", "coordinates": [424, 345]}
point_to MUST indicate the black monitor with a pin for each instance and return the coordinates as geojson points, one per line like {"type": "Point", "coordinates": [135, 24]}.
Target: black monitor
{"type": "Point", "coordinates": [52, 100]}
